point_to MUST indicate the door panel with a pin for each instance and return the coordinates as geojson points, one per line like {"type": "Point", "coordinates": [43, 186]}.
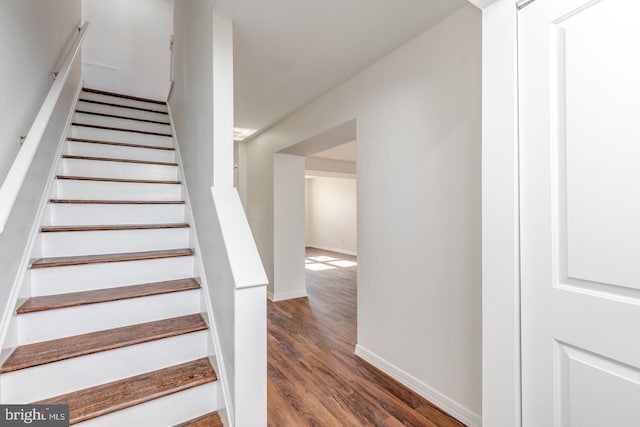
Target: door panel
{"type": "Point", "coordinates": [580, 212]}
{"type": "Point", "coordinates": [597, 73]}
{"type": "Point", "coordinates": [585, 380]}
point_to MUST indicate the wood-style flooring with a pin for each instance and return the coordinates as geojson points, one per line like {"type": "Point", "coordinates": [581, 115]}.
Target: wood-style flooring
{"type": "Point", "coordinates": [117, 395]}
{"type": "Point", "coordinates": [314, 378]}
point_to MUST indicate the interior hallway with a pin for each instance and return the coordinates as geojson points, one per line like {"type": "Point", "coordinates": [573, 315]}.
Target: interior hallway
{"type": "Point", "coordinates": [314, 378]}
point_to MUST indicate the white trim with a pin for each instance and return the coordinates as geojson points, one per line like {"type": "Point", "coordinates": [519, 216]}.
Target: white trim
{"type": "Point", "coordinates": [450, 406]}
{"type": "Point", "coordinates": [100, 65]}
{"type": "Point", "coordinates": [282, 296]}
{"type": "Point", "coordinates": [16, 286]}
{"type": "Point", "coordinates": [330, 249]}
{"type": "Point", "coordinates": [242, 253]}
{"type": "Point", "coordinates": [221, 370]}
{"type": "Point", "coordinates": [501, 359]}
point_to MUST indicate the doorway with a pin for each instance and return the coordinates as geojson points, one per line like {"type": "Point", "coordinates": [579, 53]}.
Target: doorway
{"type": "Point", "coordinates": [290, 166]}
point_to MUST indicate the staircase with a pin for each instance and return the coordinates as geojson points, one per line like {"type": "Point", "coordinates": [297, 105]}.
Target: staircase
{"type": "Point", "coordinates": [113, 321]}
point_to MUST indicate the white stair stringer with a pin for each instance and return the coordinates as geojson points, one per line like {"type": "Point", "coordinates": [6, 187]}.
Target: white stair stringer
{"type": "Point", "coordinates": [106, 214]}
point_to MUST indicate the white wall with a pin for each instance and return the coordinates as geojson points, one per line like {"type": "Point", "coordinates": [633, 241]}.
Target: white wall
{"type": "Point", "coordinates": [330, 167]}
{"type": "Point", "coordinates": [191, 104]}
{"type": "Point", "coordinates": [34, 34]}
{"type": "Point", "coordinates": [419, 240]}
{"type": "Point", "coordinates": [231, 268]}
{"type": "Point", "coordinates": [332, 214]}
{"type": "Point", "coordinates": [127, 49]}
{"type": "Point", "coordinates": [288, 215]}
{"type": "Point", "coordinates": [223, 119]}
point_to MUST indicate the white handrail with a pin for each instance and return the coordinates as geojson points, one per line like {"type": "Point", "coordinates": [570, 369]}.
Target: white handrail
{"type": "Point", "coordinates": [18, 171]}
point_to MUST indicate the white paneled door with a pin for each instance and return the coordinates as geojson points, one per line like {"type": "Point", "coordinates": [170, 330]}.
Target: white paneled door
{"type": "Point", "coordinates": [579, 66]}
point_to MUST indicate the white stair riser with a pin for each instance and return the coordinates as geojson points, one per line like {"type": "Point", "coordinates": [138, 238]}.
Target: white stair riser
{"type": "Point", "coordinates": [166, 411]}
{"type": "Point", "coordinates": [106, 190]}
{"type": "Point", "coordinates": [119, 136]}
{"type": "Point", "coordinates": [118, 152]}
{"type": "Point", "coordinates": [52, 379]}
{"type": "Point", "coordinates": [106, 169]}
{"type": "Point", "coordinates": [59, 280]}
{"type": "Point", "coordinates": [66, 322]}
{"type": "Point", "coordinates": [123, 101]}
{"type": "Point", "coordinates": [95, 214]}
{"type": "Point", "coordinates": [74, 243]}
{"type": "Point", "coordinates": [119, 111]}
{"type": "Point", "coordinates": [121, 123]}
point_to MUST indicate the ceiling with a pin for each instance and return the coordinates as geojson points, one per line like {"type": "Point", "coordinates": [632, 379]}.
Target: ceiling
{"type": "Point", "coordinates": [288, 52]}
{"type": "Point", "coordinates": [346, 152]}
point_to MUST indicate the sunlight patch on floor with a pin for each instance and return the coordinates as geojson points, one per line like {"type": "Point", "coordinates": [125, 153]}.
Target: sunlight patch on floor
{"type": "Point", "coordinates": [324, 262]}
{"type": "Point", "coordinates": [323, 258]}
{"type": "Point", "coordinates": [318, 267]}
{"type": "Point", "coordinates": [343, 263]}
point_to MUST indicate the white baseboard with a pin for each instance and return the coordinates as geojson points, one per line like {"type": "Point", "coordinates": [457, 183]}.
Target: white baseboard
{"type": "Point", "coordinates": [282, 296]}
{"type": "Point", "coordinates": [450, 406]}
{"type": "Point", "coordinates": [331, 249]}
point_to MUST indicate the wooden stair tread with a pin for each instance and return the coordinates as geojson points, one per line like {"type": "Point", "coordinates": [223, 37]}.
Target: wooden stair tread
{"type": "Point", "coordinates": [117, 202]}
{"type": "Point", "coordinates": [112, 159]}
{"type": "Point", "coordinates": [51, 302]}
{"type": "Point", "coordinates": [212, 419]}
{"type": "Point", "coordinates": [40, 353]}
{"type": "Point", "coordinates": [105, 258]}
{"type": "Point", "coordinates": [122, 95]}
{"type": "Point", "coordinates": [144, 132]}
{"type": "Point", "coordinates": [114, 396]}
{"type": "Point", "coordinates": [110, 104]}
{"type": "Point", "coordinates": [120, 144]}
{"type": "Point", "coordinates": [67, 228]}
{"type": "Point", "coordinates": [123, 180]}
{"type": "Point", "coordinates": [115, 116]}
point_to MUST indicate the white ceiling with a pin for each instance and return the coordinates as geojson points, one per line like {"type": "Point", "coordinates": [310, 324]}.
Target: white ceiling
{"type": "Point", "coordinates": [345, 152]}
{"type": "Point", "coordinates": [329, 42]}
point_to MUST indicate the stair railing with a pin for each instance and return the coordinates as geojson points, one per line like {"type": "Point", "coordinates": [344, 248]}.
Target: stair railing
{"type": "Point", "coordinates": [18, 172]}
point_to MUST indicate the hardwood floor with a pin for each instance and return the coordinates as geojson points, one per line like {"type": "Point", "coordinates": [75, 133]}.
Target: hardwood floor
{"type": "Point", "coordinates": [314, 378]}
